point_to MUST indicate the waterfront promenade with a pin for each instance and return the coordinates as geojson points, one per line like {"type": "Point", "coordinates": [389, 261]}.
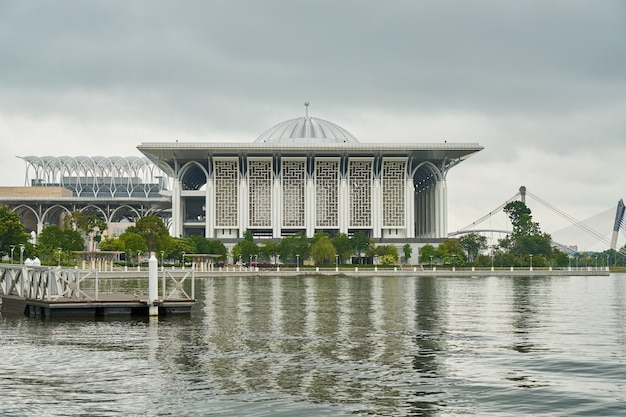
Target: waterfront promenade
{"type": "Point", "coordinates": [365, 272]}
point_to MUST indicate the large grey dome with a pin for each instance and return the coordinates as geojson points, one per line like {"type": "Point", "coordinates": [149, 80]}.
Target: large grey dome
{"type": "Point", "coordinates": [306, 130]}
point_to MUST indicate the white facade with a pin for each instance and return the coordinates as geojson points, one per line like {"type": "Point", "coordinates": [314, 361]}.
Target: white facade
{"type": "Point", "coordinates": [305, 175]}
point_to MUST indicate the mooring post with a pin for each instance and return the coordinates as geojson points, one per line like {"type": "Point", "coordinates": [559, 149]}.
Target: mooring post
{"type": "Point", "coordinates": [153, 285]}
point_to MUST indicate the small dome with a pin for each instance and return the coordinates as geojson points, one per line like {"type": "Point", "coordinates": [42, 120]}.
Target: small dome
{"type": "Point", "coordinates": [306, 130]}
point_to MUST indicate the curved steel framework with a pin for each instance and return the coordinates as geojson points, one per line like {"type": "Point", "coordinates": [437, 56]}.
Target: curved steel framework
{"type": "Point", "coordinates": [98, 177]}
{"type": "Point", "coordinates": [119, 190]}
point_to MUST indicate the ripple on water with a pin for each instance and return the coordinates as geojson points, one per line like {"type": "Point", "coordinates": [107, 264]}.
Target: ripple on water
{"type": "Point", "coordinates": [334, 346]}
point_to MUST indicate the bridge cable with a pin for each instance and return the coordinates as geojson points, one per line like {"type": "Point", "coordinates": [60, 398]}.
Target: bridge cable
{"type": "Point", "coordinates": [491, 213]}
{"type": "Point", "coordinates": [571, 219]}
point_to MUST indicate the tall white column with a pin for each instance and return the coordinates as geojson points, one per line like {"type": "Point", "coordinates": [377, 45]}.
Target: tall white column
{"type": "Point", "coordinates": [409, 208]}
{"type": "Point", "coordinates": [432, 212]}
{"type": "Point", "coordinates": [243, 207]}
{"type": "Point", "coordinates": [209, 212]}
{"type": "Point", "coordinates": [277, 208]}
{"type": "Point", "coordinates": [377, 209]}
{"type": "Point", "coordinates": [309, 207]}
{"type": "Point", "coordinates": [419, 216]}
{"type": "Point", "coordinates": [441, 208]}
{"type": "Point", "coordinates": [177, 215]}
{"type": "Point", "coordinates": [443, 192]}
{"type": "Point", "coordinates": [344, 205]}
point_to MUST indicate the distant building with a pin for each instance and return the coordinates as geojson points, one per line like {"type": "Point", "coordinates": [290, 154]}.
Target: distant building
{"type": "Point", "coordinates": [119, 190]}
{"type": "Point", "coordinates": [305, 175]}
{"type": "Point", "coordinates": [302, 175]}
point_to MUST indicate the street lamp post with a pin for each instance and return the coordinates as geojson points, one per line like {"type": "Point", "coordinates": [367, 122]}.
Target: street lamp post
{"type": "Point", "coordinates": [250, 263]}
{"type": "Point", "coordinates": [531, 261]}
{"type": "Point", "coordinates": [162, 265]}
{"type": "Point", "coordinates": [22, 247]}
{"type": "Point", "coordinates": [183, 262]}
{"type": "Point", "coordinates": [12, 249]}
{"type": "Point", "coordinates": [59, 258]}
{"type": "Point", "coordinates": [431, 262]}
{"type": "Point", "coordinates": [336, 263]}
{"type": "Point", "coordinates": [138, 263]}
{"type": "Point", "coordinates": [607, 261]}
{"type": "Point", "coordinates": [298, 263]}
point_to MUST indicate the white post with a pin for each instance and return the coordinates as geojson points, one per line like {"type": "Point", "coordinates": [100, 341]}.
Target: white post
{"type": "Point", "coordinates": [153, 285]}
{"type": "Point", "coordinates": [97, 285]}
{"type": "Point", "coordinates": [193, 285]}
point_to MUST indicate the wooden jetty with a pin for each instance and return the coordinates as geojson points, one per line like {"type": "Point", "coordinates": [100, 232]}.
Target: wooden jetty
{"type": "Point", "coordinates": [47, 292]}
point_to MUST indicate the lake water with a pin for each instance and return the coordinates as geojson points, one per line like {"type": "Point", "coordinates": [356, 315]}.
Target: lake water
{"type": "Point", "coordinates": [328, 346]}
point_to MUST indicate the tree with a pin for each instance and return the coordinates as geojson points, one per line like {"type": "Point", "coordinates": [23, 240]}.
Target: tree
{"type": "Point", "coordinates": [388, 254]}
{"type": "Point", "coordinates": [428, 253]}
{"type": "Point", "coordinates": [89, 226]}
{"type": "Point", "coordinates": [408, 250]}
{"type": "Point", "coordinates": [11, 231]}
{"type": "Point", "coordinates": [526, 238]}
{"type": "Point", "coordinates": [133, 242]}
{"type": "Point", "coordinates": [198, 244]}
{"type": "Point", "coordinates": [451, 253]}
{"type": "Point", "coordinates": [296, 244]}
{"type": "Point", "coordinates": [247, 235]}
{"type": "Point", "coordinates": [177, 247]}
{"type": "Point", "coordinates": [52, 238]}
{"type": "Point", "coordinates": [154, 232]}
{"type": "Point", "coordinates": [474, 244]}
{"type": "Point", "coordinates": [387, 260]}
{"type": "Point", "coordinates": [361, 243]}
{"type": "Point", "coordinates": [269, 249]}
{"type": "Point", "coordinates": [111, 243]}
{"type": "Point", "coordinates": [344, 246]}
{"type": "Point", "coordinates": [322, 249]}
{"type": "Point", "coordinates": [216, 247]}
{"type": "Point", "coordinates": [246, 249]}
{"type": "Point", "coordinates": [521, 218]}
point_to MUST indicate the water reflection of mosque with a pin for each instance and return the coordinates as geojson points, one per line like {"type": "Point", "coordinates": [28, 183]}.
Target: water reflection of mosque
{"type": "Point", "coordinates": [322, 339]}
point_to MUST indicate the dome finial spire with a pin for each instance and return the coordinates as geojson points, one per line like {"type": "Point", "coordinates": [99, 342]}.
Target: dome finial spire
{"type": "Point", "coordinates": [306, 109]}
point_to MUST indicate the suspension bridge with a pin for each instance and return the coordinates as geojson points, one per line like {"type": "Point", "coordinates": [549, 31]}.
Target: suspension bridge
{"type": "Point", "coordinates": [588, 233]}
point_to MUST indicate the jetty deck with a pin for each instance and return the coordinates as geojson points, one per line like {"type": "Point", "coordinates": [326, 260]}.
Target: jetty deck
{"type": "Point", "coordinates": [48, 292]}
{"type": "Point", "coordinates": [106, 305]}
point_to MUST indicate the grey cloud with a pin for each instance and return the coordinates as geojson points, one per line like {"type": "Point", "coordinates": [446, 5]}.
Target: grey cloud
{"type": "Point", "coordinates": [545, 77]}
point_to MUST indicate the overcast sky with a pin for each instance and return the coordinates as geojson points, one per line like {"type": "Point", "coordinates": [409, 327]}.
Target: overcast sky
{"type": "Point", "coordinates": [541, 85]}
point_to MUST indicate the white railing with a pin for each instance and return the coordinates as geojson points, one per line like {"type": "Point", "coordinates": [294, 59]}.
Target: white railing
{"type": "Point", "coordinates": [48, 283]}
{"type": "Point", "coordinates": [177, 286]}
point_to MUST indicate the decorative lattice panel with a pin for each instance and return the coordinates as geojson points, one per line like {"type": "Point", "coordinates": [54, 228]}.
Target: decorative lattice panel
{"type": "Point", "coordinates": [326, 193]}
{"type": "Point", "coordinates": [360, 179]}
{"type": "Point", "coordinates": [293, 174]}
{"type": "Point", "coordinates": [260, 193]}
{"type": "Point", "coordinates": [226, 193]}
{"type": "Point", "coordinates": [393, 183]}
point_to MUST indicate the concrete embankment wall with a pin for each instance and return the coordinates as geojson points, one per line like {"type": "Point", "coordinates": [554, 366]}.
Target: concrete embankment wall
{"type": "Point", "coordinates": [362, 273]}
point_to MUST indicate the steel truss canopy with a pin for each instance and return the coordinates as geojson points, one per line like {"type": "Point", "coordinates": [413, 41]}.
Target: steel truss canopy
{"type": "Point", "coordinates": [96, 176]}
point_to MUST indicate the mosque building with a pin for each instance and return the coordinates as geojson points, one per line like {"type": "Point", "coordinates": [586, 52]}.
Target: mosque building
{"type": "Point", "coordinates": [305, 175]}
